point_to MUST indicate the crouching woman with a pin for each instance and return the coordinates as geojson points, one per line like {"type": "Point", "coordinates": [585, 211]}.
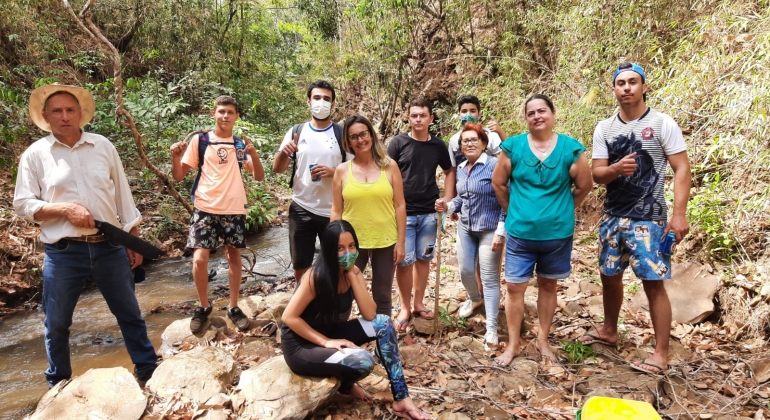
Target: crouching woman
{"type": "Point", "coordinates": [316, 341]}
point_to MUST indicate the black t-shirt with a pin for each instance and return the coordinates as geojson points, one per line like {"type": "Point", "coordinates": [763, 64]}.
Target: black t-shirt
{"type": "Point", "coordinates": [418, 161]}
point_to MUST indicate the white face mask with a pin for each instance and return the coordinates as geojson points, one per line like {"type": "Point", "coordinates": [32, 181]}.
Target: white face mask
{"type": "Point", "coordinates": [320, 109]}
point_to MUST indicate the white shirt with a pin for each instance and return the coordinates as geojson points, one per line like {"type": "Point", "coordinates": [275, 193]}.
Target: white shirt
{"type": "Point", "coordinates": [493, 146]}
{"type": "Point", "coordinates": [89, 174]}
{"type": "Point", "coordinates": [314, 147]}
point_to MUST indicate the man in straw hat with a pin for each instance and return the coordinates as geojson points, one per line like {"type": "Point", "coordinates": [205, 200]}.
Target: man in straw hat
{"type": "Point", "coordinates": [65, 181]}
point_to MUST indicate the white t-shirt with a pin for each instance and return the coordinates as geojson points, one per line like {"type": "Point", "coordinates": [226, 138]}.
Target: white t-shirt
{"type": "Point", "coordinates": [493, 147]}
{"type": "Point", "coordinates": [314, 147]}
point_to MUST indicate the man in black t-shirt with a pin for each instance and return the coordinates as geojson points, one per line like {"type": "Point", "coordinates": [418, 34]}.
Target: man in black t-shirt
{"type": "Point", "coordinates": [419, 154]}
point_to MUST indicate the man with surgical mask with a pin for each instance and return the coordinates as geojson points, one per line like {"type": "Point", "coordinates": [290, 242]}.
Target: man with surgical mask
{"type": "Point", "coordinates": [469, 111]}
{"type": "Point", "coordinates": [314, 150]}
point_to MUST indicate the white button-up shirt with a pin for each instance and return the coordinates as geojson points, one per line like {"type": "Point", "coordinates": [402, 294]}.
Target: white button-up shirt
{"type": "Point", "coordinates": [89, 174]}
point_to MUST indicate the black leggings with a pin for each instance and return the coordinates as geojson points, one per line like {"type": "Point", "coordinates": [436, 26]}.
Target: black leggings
{"type": "Point", "coordinates": [352, 365]}
{"type": "Point", "coordinates": [382, 275]}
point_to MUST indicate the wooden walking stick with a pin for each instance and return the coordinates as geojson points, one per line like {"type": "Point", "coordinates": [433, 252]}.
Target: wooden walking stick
{"type": "Point", "coordinates": [438, 272]}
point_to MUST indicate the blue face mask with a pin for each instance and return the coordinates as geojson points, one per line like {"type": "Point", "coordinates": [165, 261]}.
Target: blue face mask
{"type": "Point", "coordinates": [347, 260]}
{"type": "Point", "coordinates": [468, 118]}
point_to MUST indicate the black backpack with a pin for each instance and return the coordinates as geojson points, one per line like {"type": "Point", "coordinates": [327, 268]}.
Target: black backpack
{"type": "Point", "coordinates": [203, 143]}
{"type": "Point", "coordinates": [298, 129]}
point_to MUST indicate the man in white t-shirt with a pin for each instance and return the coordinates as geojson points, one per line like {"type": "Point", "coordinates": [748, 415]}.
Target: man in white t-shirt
{"type": "Point", "coordinates": [314, 150]}
{"type": "Point", "coordinates": [469, 110]}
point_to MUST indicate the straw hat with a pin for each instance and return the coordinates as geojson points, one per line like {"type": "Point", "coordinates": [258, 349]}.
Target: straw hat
{"type": "Point", "coordinates": [39, 96]}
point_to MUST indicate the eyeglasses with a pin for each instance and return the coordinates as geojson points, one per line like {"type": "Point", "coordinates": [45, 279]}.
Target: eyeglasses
{"type": "Point", "coordinates": [362, 136]}
{"type": "Point", "coordinates": [472, 140]}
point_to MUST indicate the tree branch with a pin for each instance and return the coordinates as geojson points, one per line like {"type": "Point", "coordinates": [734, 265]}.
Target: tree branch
{"type": "Point", "coordinates": [91, 30]}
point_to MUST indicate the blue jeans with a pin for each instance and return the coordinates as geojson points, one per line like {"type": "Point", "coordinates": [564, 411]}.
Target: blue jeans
{"type": "Point", "coordinates": [420, 238]}
{"type": "Point", "coordinates": [67, 266]}
{"type": "Point", "coordinates": [472, 246]}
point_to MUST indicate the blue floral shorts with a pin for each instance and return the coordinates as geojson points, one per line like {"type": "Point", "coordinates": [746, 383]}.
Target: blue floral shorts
{"type": "Point", "coordinates": [624, 241]}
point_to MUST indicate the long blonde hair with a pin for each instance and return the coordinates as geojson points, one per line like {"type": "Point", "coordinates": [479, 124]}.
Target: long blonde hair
{"type": "Point", "coordinates": [379, 153]}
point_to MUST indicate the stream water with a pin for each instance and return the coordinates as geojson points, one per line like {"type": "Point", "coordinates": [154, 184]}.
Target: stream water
{"type": "Point", "coordinates": [95, 340]}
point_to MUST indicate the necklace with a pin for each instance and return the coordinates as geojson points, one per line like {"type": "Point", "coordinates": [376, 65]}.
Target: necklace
{"type": "Point", "coordinates": [542, 151]}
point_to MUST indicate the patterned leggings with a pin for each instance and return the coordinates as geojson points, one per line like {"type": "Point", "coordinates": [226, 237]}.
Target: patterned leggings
{"type": "Point", "coordinates": [350, 365]}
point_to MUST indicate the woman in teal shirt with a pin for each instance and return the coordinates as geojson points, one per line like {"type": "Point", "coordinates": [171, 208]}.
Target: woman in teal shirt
{"type": "Point", "coordinates": [542, 166]}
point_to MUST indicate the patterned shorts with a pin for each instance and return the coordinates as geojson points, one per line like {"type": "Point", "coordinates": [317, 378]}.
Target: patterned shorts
{"type": "Point", "coordinates": [625, 241]}
{"type": "Point", "coordinates": [208, 231]}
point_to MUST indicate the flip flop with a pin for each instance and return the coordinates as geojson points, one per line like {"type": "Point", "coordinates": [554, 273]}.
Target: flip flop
{"type": "Point", "coordinates": [595, 339]}
{"type": "Point", "coordinates": [407, 414]}
{"type": "Point", "coordinates": [401, 326]}
{"type": "Point", "coordinates": [656, 371]}
{"type": "Point", "coordinates": [422, 313]}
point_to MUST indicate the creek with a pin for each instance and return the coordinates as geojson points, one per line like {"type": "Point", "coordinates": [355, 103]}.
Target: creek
{"type": "Point", "coordinates": [95, 339]}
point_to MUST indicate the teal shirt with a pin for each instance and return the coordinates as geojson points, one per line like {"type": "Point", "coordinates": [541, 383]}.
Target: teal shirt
{"type": "Point", "coordinates": [541, 207]}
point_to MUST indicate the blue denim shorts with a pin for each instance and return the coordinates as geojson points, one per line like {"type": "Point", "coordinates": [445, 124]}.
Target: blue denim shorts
{"type": "Point", "coordinates": [550, 258]}
{"type": "Point", "coordinates": [625, 242]}
{"type": "Point", "coordinates": [420, 240]}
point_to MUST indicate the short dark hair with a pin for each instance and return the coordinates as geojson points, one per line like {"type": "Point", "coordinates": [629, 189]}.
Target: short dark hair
{"type": "Point", "coordinates": [421, 102]}
{"type": "Point", "coordinates": [539, 96]}
{"type": "Point", "coordinates": [225, 100]}
{"type": "Point", "coordinates": [321, 84]}
{"type": "Point", "coordinates": [468, 99]}
{"type": "Point", "coordinates": [57, 93]}
{"type": "Point", "coordinates": [479, 130]}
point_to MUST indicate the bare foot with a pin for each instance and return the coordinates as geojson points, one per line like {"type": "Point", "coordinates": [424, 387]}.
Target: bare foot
{"type": "Point", "coordinates": [546, 352]}
{"type": "Point", "coordinates": [506, 358]}
{"type": "Point", "coordinates": [407, 409]}
{"type": "Point", "coordinates": [359, 392]}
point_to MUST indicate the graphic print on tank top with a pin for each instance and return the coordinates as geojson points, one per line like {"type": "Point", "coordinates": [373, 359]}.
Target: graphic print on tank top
{"type": "Point", "coordinates": [633, 195]}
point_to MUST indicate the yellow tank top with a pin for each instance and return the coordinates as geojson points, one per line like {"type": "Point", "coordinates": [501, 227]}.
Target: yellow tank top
{"type": "Point", "coordinates": [369, 208]}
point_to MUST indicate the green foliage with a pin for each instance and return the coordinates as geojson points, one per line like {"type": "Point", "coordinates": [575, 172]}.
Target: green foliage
{"type": "Point", "coordinates": [451, 321]}
{"type": "Point", "coordinates": [577, 352]}
{"type": "Point", "coordinates": [261, 206]}
{"type": "Point", "coordinates": [12, 125]}
{"type": "Point", "coordinates": [708, 211]}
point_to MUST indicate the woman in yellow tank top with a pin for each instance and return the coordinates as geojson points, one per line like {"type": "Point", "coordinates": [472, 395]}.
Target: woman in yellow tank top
{"type": "Point", "coordinates": [369, 193]}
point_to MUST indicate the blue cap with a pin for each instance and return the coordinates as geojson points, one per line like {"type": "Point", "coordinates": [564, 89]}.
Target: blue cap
{"type": "Point", "coordinates": [634, 67]}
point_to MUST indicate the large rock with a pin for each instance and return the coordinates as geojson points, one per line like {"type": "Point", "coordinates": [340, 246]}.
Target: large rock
{"type": "Point", "coordinates": [252, 305]}
{"type": "Point", "coordinates": [691, 292]}
{"type": "Point", "coordinates": [513, 380]}
{"type": "Point", "coordinates": [97, 394]}
{"type": "Point", "coordinates": [178, 334]}
{"type": "Point", "coordinates": [272, 391]}
{"type": "Point", "coordinates": [413, 355]}
{"type": "Point", "coordinates": [198, 374]}
{"type": "Point", "coordinates": [623, 379]}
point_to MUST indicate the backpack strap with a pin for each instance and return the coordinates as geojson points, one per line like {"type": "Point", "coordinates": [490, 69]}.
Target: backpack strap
{"type": "Point", "coordinates": [338, 134]}
{"type": "Point", "coordinates": [203, 143]}
{"type": "Point", "coordinates": [295, 130]}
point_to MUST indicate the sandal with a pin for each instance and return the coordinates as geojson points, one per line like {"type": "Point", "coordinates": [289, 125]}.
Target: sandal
{"type": "Point", "coordinates": [655, 371]}
{"type": "Point", "coordinates": [401, 326]}
{"type": "Point", "coordinates": [423, 313]}
{"type": "Point", "coordinates": [595, 339]}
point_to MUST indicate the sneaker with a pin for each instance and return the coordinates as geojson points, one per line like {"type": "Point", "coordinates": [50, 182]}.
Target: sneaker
{"type": "Point", "coordinates": [466, 309]}
{"type": "Point", "coordinates": [490, 339]}
{"type": "Point", "coordinates": [199, 318]}
{"type": "Point", "coordinates": [143, 377]}
{"type": "Point", "coordinates": [239, 318]}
